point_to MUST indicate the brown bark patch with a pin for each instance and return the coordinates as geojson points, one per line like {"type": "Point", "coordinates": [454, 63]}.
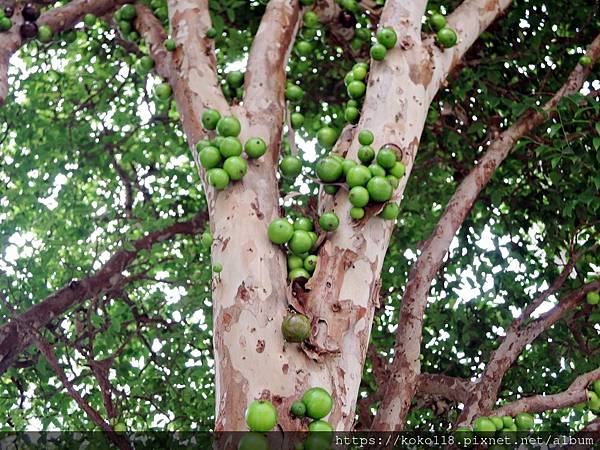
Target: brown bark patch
{"type": "Point", "coordinates": [260, 346]}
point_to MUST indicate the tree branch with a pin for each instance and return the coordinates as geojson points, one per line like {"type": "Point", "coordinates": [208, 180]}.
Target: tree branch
{"type": "Point", "coordinates": [576, 393]}
{"type": "Point", "coordinates": [15, 338]}
{"type": "Point", "coordinates": [453, 388]}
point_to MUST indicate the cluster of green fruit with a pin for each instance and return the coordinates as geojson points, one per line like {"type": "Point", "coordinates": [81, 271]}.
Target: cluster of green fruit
{"type": "Point", "coordinates": [373, 180]}
{"type": "Point", "coordinates": [232, 86]}
{"type": "Point", "coordinates": [593, 398]}
{"type": "Point", "coordinates": [124, 17]}
{"type": "Point", "coordinates": [221, 157]}
{"type": "Point", "coordinates": [386, 40]}
{"type": "Point", "coordinates": [492, 425]}
{"type": "Point", "coordinates": [160, 10]}
{"type": "Point", "coordinates": [356, 86]}
{"type": "Point", "coordinates": [300, 239]}
{"type": "Point", "coordinates": [446, 37]}
{"type": "Point", "coordinates": [5, 15]}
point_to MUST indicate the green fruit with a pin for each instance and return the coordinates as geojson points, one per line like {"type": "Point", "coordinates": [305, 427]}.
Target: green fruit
{"type": "Point", "coordinates": [45, 33]}
{"type": "Point", "coordinates": [300, 242]}
{"type": "Point", "coordinates": [253, 441]}
{"type": "Point", "coordinates": [162, 91]}
{"type": "Point", "coordinates": [5, 24]}
{"type": "Point", "coordinates": [357, 213]}
{"type": "Point", "coordinates": [347, 164]}
{"type": "Point", "coordinates": [395, 182]}
{"type": "Point", "coordinates": [280, 231]}
{"type": "Point", "coordinates": [293, 92]}
{"type": "Point", "coordinates": [298, 273]}
{"type": "Point", "coordinates": [524, 421]}
{"type": "Point", "coordinates": [261, 416]}
{"type": "Point", "coordinates": [294, 262]}
{"type": "Point", "coordinates": [596, 387]}
{"type": "Point", "coordinates": [386, 158]}
{"type": "Point", "coordinates": [229, 126]}
{"type": "Point", "coordinates": [236, 167]}
{"type": "Point", "coordinates": [230, 146]}
{"type": "Point", "coordinates": [390, 211]}
{"type": "Point", "coordinates": [298, 409]}
{"type": "Point", "coordinates": [437, 21]}
{"type": "Point", "coordinates": [210, 157]}
{"type": "Point", "coordinates": [593, 400]}
{"type": "Point", "coordinates": [217, 141]}
{"type": "Point", "coordinates": [217, 267]}
{"type": "Point", "coordinates": [303, 223]}
{"type": "Point", "coordinates": [363, 34]}
{"type": "Point", "coordinates": [358, 176]}
{"type": "Point", "coordinates": [310, 262]}
{"type": "Point", "coordinates": [235, 78]}
{"type": "Point", "coordinates": [307, 2]}
{"type": "Point", "coordinates": [498, 423]}
{"type": "Point", "coordinates": [146, 63]}
{"type": "Point", "coordinates": [211, 33]}
{"type": "Point", "coordinates": [314, 236]}
{"type": "Point", "coordinates": [311, 19]}
{"type": "Point", "coordinates": [358, 196]}
{"type": "Point", "coordinates": [484, 425]}
{"type": "Point", "coordinates": [320, 426]}
{"type": "Point", "coordinates": [318, 402]}
{"type": "Point", "coordinates": [295, 327]}
{"type": "Point", "coordinates": [593, 298]}
{"type": "Point", "coordinates": [585, 61]}
{"type": "Point", "coordinates": [125, 27]}
{"type": "Point", "coordinates": [349, 78]}
{"type": "Point", "coordinates": [380, 190]}
{"type": "Point", "coordinates": [366, 154]}
{"type": "Point", "coordinates": [349, 5]}
{"type": "Point", "coordinates": [128, 12]}
{"type": "Point", "coordinates": [376, 170]}
{"type": "Point", "coordinates": [359, 72]}
{"type": "Point", "coordinates": [89, 20]}
{"type": "Point", "coordinates": [351, 114]}
{"type": "Point", "coordinates": [255, 147]}
{"type": "Point", "coordinates": [304, 48]}
{"type": "Point", "coordinates": [161, 13]}
{"type": "Point", "coordinates": [133, 36]}
{"type": "Point", "coordinates": [447, 37]}
{"type": "Point", "coordinates": [508, 422]}
{"type": "Point", "coordinates": [329, 169]}
{"type": "Point", "coordinates": [327, 137]}
{"type": "Point", "coordinates": [218, 178]}
{"type": "Point", "coordinates": [331, 189]}
{"type": "Point", "coordinates": [290, 166]}
{"type": "Point", "coordinates": [120, 427]}
{"type": "Point", "coordinates": [356, 89]}
{"type": "Point", "coordinates": [170, 45]}
{"type": "Point", "coordinates": [352, 103]}
{"type": "Point", "coordinates": [398, 170]}
{"type": "Point", "coordinates": [365, 137]}
{"type": "Point", "coordinates": [329, 221]}
{"type": "Point", "coordinates": [387, 37]}
{"type": "Point", "coordinates": [297, 120]}
{"type": "Point", "coordinates": [206, 240]}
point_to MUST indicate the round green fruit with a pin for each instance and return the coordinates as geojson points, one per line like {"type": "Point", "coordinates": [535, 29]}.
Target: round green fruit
{"type": "Point", "coordinates": [128, 12]}
{"type": "Point", "coordinates": [365, 137]}
{"type": "Point", "coordinates": [357, 213]}
{"type": "Point", "coordinates": [585, 61]}
{"type": "Point", "coordinates": [45, 33]}
{"type": "Point", "coordinates": [380, 189]}
{"type": "Point", "coordinates": [398, 170]}
{"type": "Point", "coordinates": [593, 298]}
{"type": "Point", "coordinates": [5, 24]}
{"type": "Point", "coordinates": [170, 45]}
{"type": "Point", "coordinates": [303, 223]}
{"type": "Point", "coordinates": [206, 240]}
{"type": "Point", "coordinates": [364, 34]}
{"type": "Point", "coordinates": [329, 169]}
{"type": "Point", "coordinates": [290, 166]}
{"type": "Point", "coordinates": [349, 78]}
{"type": "Point", "coordinates": [297, 120]}
{"type": "Point", "coordinates": [318, 403]}
{"type": "Point", "coordinates": [280, 231]}
{"type": "Point", "coordinates": [211, 33]}
{"type": "Point", "coordinates": [261, 416]}
{"type": "Point", "coordinates": [351, 114]}
{"type": "Point", "coordinates": [358, 196]}
{"type": "Point", "coordinates": [376, 170]}
{"type": "Point", "coordinates": [230, 146]}
{"type": "Point", "coordinates": [295, 327]}
{"type": "Point", "coordinates": [293, 92]}
{"type": "Point", "coordinates": [300, 242]}
{"type": "Point", "coordinates": [498, 423]}
{"type": "Point", "coordinates": [331, 189]}
{"type": "Point", "coordinates": [508, 422]}
{"type": "Point", "coordinates": [255, 147]}
{"type": "Point", "coordinates": [146, 63]}
{"type": "Point", "coordinates": [484, 425]}
{"type": "Point", "coordinates": [294, 262]}
{"type": "Point", "coordinates": [217, 178]}
{"type": "Point", "coordinates": [298, 409]}
{"type": "Point", "coordinates": [387, 37]}
{"type": "Point", "coordinates": [235, 78]}
{"type": "Point", "coordinates": [348, 164]}
{"type": "Point", "coordinates": [125, 27]}
{"type": "Point", "coordinates": [89, 20]}
{"type": "Point", "coordinates": [327, 137]}
{"type": "Point", "coordinates": [311, 19]}
{"type": "Point", "coordinates": [298, 273]}
{"type": "Point", "coordinates": [395, 182]}
{"type": "Point", "coordinates": [310, 262]}
{"type": "Point", "coordinates": [524, 421]}
{"type": "Point", "coordinates": [120, 427]}
{"type": "Point", "coordinates": [253, 441]}
{"type": "Point", "coordinates": [356, 89]}
{"type": "Point", "coordinates": [596, 387]}
{"type": "Point", "coordinates": [304, 48]}
{"type": "Point", "coordinates": [236, 167]}
{"type": "Point", "coordinates": [229, 126]}
{"type": "Point", "coordinates": [329, 221]}
{"type": "Point", "coordinates": [447, 37]}
{"type": "Point", "coordinates": [386, 158]}
{"type": "Point", "coordinates": [437, 21]}
{"type": "Point", "coordinates": [162, 91]}
{"type": "Point", "coordinates": [217, 267]}
{"type": "Point", "coordinates": [320, 426]}
{"type": "Point", "coordinates": [133, 36]}
{"type": "Point", "coordinates": [366, 154]}
{"type": "Point", "coordinates": [210, 157]}
{"type": "Point", "coordinates": [359, 72]}
{"type": "Point", "coordinates": [390, 211]}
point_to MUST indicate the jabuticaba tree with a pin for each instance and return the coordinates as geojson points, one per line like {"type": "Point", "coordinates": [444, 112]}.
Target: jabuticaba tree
{"type": "Point", "coordinates": [175, 256]}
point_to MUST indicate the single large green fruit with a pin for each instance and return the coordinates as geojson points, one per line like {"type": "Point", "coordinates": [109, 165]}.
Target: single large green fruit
{"type": "Point", "coordinates": [318, 402]}
{"type": "Point", "coordinates": [356, 89]}
{"type": "Point", "coordinates": [593, 298]}
{"type": "Point", "coordinates": [395, 182]}
{"type": "Point", "coordinates": [217, 267]}
{"type": "Point", "coordinates": [390, 211]}
{"type": "Point", "coordinates": [146, 63]}
{"type": "Point", "coordinates": [235, 79]}
{"type": "Point", "coordinates": [210, 118]}
{"type": "Point", "coordinates": [358, 196]}
{"type": "Point", "coordinates": [585, 61]}
{"type": "Point", "coordinates": [261, 416]}
{"type": "Point", "coordinates": [236, 167]}
{"type": "Point", "coordinates": [329, 221]}
{"type": "Point", "coordinates": [303, 223]}
{"type": "Point", "coordinates": [387, 37]}
{"type": "Point", "coordinates": [229, 126]}
{"type": "Point", "coordinates": [320, 426]}
{"type": "Point", "coordinates": [5, 24]}
{"type": "Point", "coordinates": [128, 12]}
{"type": "Point", "coordinates": [348, 164]}
{"type": "Point", "coordinates": [437, 21]}
{"type": "Point", "coordinates": [45, 33]}
{"type": "Point", "coordinates": [297, 120]}
{"type": "Point", "coordinates": [211, 33]}
{"type": "Point", "coordinates": [593, 400]}
{"type": "Point", "coordinates": [280, 231]}
{"type": "Point", "coordinates": [380, 189]}
{"type": "Point", "coordinates": [358, 176]}
{"type": "Point", "coordinates": [398, 170]}
{"type": "Point", "coordinates": [298, 273]}
{"type": "Point", "coordinates": [294, 262]}
{"type": "Point", "coordinates": [508, 422]}
{"type": "Point", "coordinates": [327, 137]}
{"type": "Point", "coordinates": [89, 20]}
{"type": "Point", "coordinates": [359, 71]}
{"type": "Point", "coordinates": [293, 92]}
{"type": "Point", "coordinates": [351, 114]}
{"type": "Point", "coordinates": [218, 178]}
{"type": "Point", "coordinates": [310, 262]}
{"type": "Point", "coordinates": [253, 441]}
{"type": "Point", "coordinates": [295, 327]}
{"type": "Point", "coordinates": [304, 48]}
{"type": "Point", "coordinates": [230, 146]}
{"type": "Point", "coordinates": [210, 157]}
{"type": "Point", "coordinates": [301, 242]}
{"type": "Point", "coordinates": [447, 37]}
{"type": "Point", "coordinates": [365, 137]}
{"type": "Point", "coordinates": [310, 19]}
{"type": "Point", "coordinates": [524, 421]}
{"type": "Point", "coordinates": [366, 154]}
{"type": "Point", "coordinates": [376, 170]}
{"type": "Point", "coordinates": [357, 213]}
{"type": "Point", "coordinates": [170, 45]}
{"type": "Point", "coordinates": [386, 158]}
{"type": "Point", "coordinates": [162, 91]}
{"type": "Point", "coordinates": [298, 409]}
{"type": "Point", "coordinates": [484, 425]}
{"type": "Point", "coordinates": [329, 169]}
{"type": "Point", "coordinates": [290, 166]}
{"type": "Point", "coordinates": [255, 147]}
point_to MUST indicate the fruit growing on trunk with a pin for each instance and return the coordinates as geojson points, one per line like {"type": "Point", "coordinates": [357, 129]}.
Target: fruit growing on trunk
{"type": "Point", "coordinates": [217, 178]}
{"type": "Point", "coordinates": [318, 402]}
{"type": "Point", "coordinates": [329, 221]}
{"type": "Point", "coordinates": [437, 21]}
{"type": "Point", "coordinates": [484, 425]}
{"type": "Point", "coordinates": [585, 61]}
{"type": "Point", "coordinates": [280, 231]}
{"type": "Point", "coordinates": [236, 167]}
{"type": "Point", "coordinates": [255, 147]}
{"type": "Point", "coordinates": [163, 91]}
{"type": "Point", "coordinates": [290, 166]}
{"type": "Point", "coordinates": [28, 30]}
{"type": "Point", "coordinates": [447, 37]}
{"type": "Point", "coordinates": [387, 37]}
{"type": "Point", "coordinates": [365, 137]}
{"type": "Point", "coordinates": [45, 33]}
{"type": "Point", "coordinates": [298, 409]}
{"type": "Point", "coordinates": [524, 421]}
{"type": "Point", "coordinates": [30, 12]}
{"type": "Point", "coordinates": [295, 327]}
{"type": "Point", "coordinates": [593, 298]}
{"type": "Point", "coordinates": [261, 416]}
{"type": "Point", "coordinates": [329, 169]}
{"type": "Point", "coordinates": [327, 137]}
{"type": "Point", "coordinates": [379, 189]}
{"type": "Point", "coordinates": [229, 126]}
{"type": "Point", "coordinates": [210, 118]}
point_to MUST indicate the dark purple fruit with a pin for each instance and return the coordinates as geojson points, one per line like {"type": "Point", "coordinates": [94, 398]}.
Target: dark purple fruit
{"type": "Point", "coordinates": [346, 19]}
{"type": "Point", "coordinates": [9, 11]}
{"type": "Point", "coordinates": [30, 12]}
{"type": "Point", "coordinates": [29, 30]}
